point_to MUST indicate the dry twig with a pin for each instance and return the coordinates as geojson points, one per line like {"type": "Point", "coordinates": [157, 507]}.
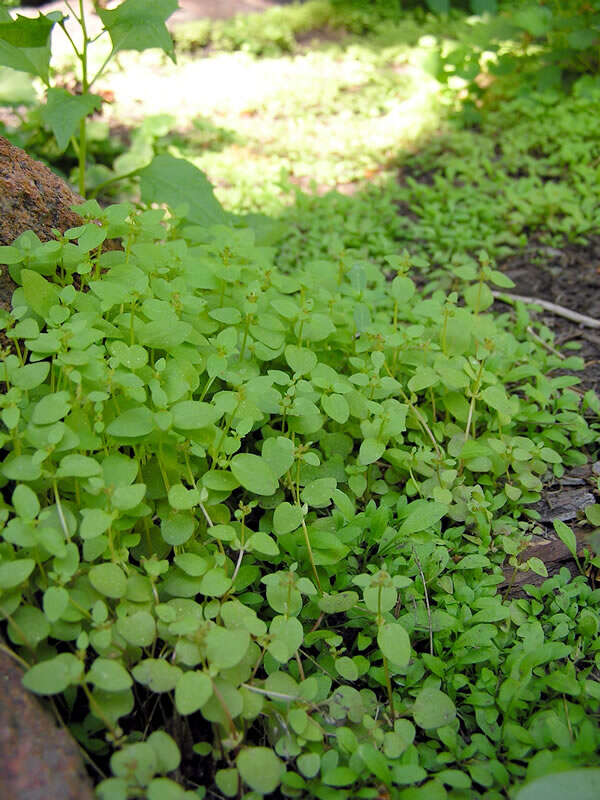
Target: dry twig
{"type": "Point", "coordinates": [560, 311]}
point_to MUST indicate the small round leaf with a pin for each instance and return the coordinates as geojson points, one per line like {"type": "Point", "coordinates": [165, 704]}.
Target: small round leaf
{"type": "Point", "coordinates": [108, 579]}
{"type": "Point", "coordinates": [260, 769]}
{"type": "Point", "coordinates": [433, 709]}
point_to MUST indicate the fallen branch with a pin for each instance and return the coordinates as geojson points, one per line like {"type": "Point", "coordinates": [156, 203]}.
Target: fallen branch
{"type": "Point", "coordinates": [560, 311]}
{"type": "Point", "coordinates": [544, 344]}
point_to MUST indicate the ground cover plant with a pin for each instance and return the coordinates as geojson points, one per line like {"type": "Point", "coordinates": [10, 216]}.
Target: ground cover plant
{"type": "Point", "coordinates": [191, 455]}
{"type": "Point", "coordinates": [259, 483]}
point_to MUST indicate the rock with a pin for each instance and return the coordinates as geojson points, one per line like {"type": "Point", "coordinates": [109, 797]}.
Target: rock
{"type": "Point", "coordinates": [32, 197]}
{"type": "Point", "coordinates": [38, 760]}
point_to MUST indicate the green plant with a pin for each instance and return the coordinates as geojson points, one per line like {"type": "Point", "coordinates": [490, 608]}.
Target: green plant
{"type": "Point", "coordinates": [571, 31]}
{"type": "Point", "coordinates": [25, 46]}
{"type": "Point", "coordinates": [276, 506]}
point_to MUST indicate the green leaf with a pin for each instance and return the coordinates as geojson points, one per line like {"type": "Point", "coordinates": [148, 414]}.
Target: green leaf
{"type": "Point", "coordinates": [309, 764]}
{"type": "Point", "coordinates": [119, 470]}
{"type": "Point", "coordinates": [25, 502]}
{"type": "Point", "coordinates": [336, 406]}
{"type": "Point", "coordinates": [254, 474]}
{"type": "Point", "coordinates": [64, 111]}
{"type": "Point", "coordinates": [550, 456]}
{"type": "Point", "coordinates": [77, 466]}
{"type": "Point", "coordinates": [219, 480]}
{"type": "Point", "coordinates": [403, 289]}
{"type": "Point", "coordinates": [125, 498]}
{"type": "Point", "coordinates": [193, 690]}
{"type": "Point", "coordinates": [135, 762]}
{"type": "Point", "coordinates": [479, 297]}
{"type": "Point", "coordinates": [94, 523]}
{"type": "Point", "coordinates": [226, 648]}
{"type": "Point", "coordinates": [175, 181]}
{"type": "Point", "coordinates": [193, 414]}
{"type": "Point", "coordinates": [583, 784]}
{"type": "Point", "coordinates": [138, 629]}
{"type": "Point", "coordinates": [537, 565]}
{"type": "Point", "coordinates": [177, 528]}
{"type": "Point", "coordinates": [13, 573]}
{"type": "Point", "coordinates": [166, 750]}
{"type": "Point", "coordinates": [347, 668]}
{"type": "Point", "coordinates": [113, 789]}
{"type": "Point", "coordinates": [318, 493]}
{"type": "Point", "coordinates": [108, 579]}
{"type": "Point", "coordinates": [439, 6]}
{"type": "Point", "coordinates": [370, 451]}
{"type": "Point", "coordinates": [21, 468]}
{"type": "Point", "coordinates": [473, 561]}
{"type": "Point", "coordinates": [132, 423]}
{"type": "Point", "coordinates": [581, 39]}
{"type": "Point", "coordinates": [25, 45]}
{"type": "Point", "coordinates": [260, 768]}
{"type": "Point", "coordinates": [496, 398]}
{"type": "Point", "coordinates": [361, 314]}
{"type": "Point", "coordinates": [485, 7]}
{"type": "Point", "coordinates": [375, 762]}
{"type": "Point", "coordinates": [337, 603]}
{"type": "Point", "coordinates": [339, 776]}
{"type": "Point", "coordinates": [139, 25]}
{"type": "Point", "coordinates": [433, 709]}
{"type": "Point", "coordinates": [56, 599]}
{"type": "Point", "coordinates": [263, 544]}
{"type": "Point", "coordinates": [287, 518]}
{"type": "Point", "coordinates": [287, 635]}
{"type": "Point", "coordinates": [32, 622]}
{"type": "Point", "coordinates": [394, 643]}
{"type": "Point", "coordinates": [300, 359]}
{"type": "Point", "coordinates": [11, 255]}
{"type": "Point", "coordinates": [192, 564]}
{"type": "Point", "coordinates": [227, 781]}
{"type": "Point", "coordinates": [31, 375]}
{"type": "Point", "coordinates": [53, 676]}
{"type": "Point", "coordinates": [422, 515]}
{"type": "Point", "coordinates": [40, 294]}
{"type": "Point", "coordinates": [182, 499]}
{"type": "Point", "coordinates": [278, 452]}
{"type": "Point", "coordinates": [592, 513]}
{"type": "Point", "coordinates": [535, 20]}
{"type": "Point", "coordinates": [51, 408]}
{"type": "Point", "coordinates": [157, 674]}
{"type": "Point", "coordinates": [90, 238]}
{"type": "Point", "coordinates": [109, 675]}
{"type": "Point", "coordinates": [215, 582]}
{"type": "Point", "coordinates": [396, 742]}
{"type": "Point", "coordinates": [25, 31]}
{"type": "Point", "coordinates": [423, 379]}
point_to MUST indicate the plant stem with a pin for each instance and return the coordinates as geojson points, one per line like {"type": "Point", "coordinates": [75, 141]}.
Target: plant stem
{"type": "Point", "coordinates": [83, 57]}
{"type": "Point", "coordinates": [310, 556]}
{"type": "Point", "coordinates": [388, 685]}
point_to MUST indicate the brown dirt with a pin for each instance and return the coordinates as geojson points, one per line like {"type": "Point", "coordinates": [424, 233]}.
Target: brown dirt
{"type": "Point", "coordinates": [570, 277]}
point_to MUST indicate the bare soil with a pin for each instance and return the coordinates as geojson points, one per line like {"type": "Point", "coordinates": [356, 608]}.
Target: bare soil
{"type": "Point", "coordinates": [570, 277]}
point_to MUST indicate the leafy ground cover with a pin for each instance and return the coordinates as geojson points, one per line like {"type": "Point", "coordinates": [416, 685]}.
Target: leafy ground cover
{"type": "Point", "coordinates": [261, 482]}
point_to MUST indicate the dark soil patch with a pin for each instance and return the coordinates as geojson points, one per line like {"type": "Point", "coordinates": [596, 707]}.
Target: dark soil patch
{"type": "Point", "coordinates": [568, 276]}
